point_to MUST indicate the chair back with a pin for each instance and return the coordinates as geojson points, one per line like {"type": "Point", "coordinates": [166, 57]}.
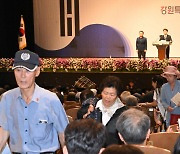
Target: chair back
{"type": "Point", "coordinates": [153, 150]}
{"type": "Point", "coordinates": [70, 103]}
{"type": "Point", "coordinates": [72, 112]}
{"type": "Point", "coordinates": [71, 106]}
{"type": "Point", "coordinates": [164, 140]}
{"type": "Point", "coordinates": [70, 118]}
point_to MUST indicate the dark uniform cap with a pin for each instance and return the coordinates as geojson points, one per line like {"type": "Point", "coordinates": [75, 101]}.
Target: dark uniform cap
{"type": "Point", "coordinates": [26, 59]}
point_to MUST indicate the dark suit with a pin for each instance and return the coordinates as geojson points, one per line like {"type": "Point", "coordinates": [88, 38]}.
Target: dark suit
{"type": "Point", "coordinates": [141, 45]}
{"type": "Point", "coordinates": [169, 39]}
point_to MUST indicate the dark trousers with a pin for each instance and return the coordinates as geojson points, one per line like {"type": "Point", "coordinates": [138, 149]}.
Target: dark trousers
{"type": "Point", "coordinates": [141, 54]}
{"type": "Point", "coordinates": [167, 52]}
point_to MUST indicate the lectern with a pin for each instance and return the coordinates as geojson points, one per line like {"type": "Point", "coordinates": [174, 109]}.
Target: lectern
{"type": "Point", "coordinates": [161, 46]}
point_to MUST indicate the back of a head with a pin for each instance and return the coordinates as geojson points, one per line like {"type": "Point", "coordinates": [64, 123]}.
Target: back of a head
{"type": "Point", "coordinates": [94, 91]}
{"type": "Point", "coordinates": [123, 95]}
{"type": "Point", "coordinates": [131, 100]}
{"type": "Point", "coordinates": [133, 125]}
{"type": "Point", "coordinates": [159, 80]}
{"type": "Point", "coordinates": [148, 97]}
{"type": "Point", "coordinates": [122, 149]}
{"type": "Point", "coordinates": [138, 96]}
{"type": "Point", "coordinates": [85, 106]}
{"type": "Point", "coordinates": [84, 136]}
{"type": "Point", "coordinates": [85, 94]}
{"type": "Point", "coordinates": [71, 96]}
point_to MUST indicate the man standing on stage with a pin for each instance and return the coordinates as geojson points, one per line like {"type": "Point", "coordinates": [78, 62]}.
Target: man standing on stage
{"type": "Point", "coordinates": [32, 117]}
{"type": "Point", "coordinates": [167, 38]}
{"type": "Point", "coordinates": [141, 45]}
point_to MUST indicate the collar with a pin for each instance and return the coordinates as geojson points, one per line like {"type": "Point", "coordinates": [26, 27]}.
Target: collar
{"type": "Point", "coordinates": [116, 105]}
{"type": "Point", "coordinates": [176, 86]}
{"type": "Point", "coordinates": [36, 94]}
{"type": "Point", "coordinates": [110, 110]}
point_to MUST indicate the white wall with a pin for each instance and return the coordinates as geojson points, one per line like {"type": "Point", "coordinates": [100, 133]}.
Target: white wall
{"type": "Point", "coordinates": [126, 16]}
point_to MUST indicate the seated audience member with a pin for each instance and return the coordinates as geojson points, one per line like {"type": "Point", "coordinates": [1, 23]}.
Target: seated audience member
{"type": "Point", "coordinates": [131, 87]}
{"type": "Point", "coordinates": [94, 91]}
{"type": "Point", "coordinates": [77, 97]}
{"type": "Point", "coordinates": [123, 96]}
{"type": "Point", "coordinates": [133, 127]}
{"type": "Point", "coordinates": [138, 96]}
{"type": "Point", "coordinates": [131, 101]}
{"type": "Point", "coordinates": [59, 95]}
{"type": "Point", "coordinates": [177, 146]}
{"type": "Point", "coordinates": [72, 90]}
{"type": "Point", "coordinates": [88, 110]}
{"type": "Point", "coordinates": [71, 96]}
{"type": "Point", "coordinates": [88, 103]}
{"type": "Point", "coordinates": [85, 94]}
{"type": "Point", "coordinates": [84, 136]}
{"type": "Point", "coordinates": [122, 149]}
{"type": "Point", "coordinates": [147, 100]}
{"type": "Point", "coordinates": [111, 107]}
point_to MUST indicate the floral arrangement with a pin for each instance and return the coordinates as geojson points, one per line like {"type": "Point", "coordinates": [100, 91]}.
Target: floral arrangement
{"type": "Point", "coordinates": [97, 64]}
{"type": "Point", "coordinates": [6, 64]}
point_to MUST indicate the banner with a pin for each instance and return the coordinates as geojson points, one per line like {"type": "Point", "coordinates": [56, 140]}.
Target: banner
{"type": "Point", "coordinates": [22, 36]}
{"type": "Point", "coordinates": [103, 28]}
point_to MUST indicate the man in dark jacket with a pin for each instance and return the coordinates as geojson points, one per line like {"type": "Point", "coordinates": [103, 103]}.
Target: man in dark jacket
{"type": "Point", "coordinates": [168, 39]}
{"type": "Point", "coordinates": [141, 45]}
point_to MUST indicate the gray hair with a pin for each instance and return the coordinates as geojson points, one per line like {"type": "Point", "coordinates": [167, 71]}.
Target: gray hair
{"type": "Point", "coordinates": [131, 100]}
{"type": "Point", "coordinates": [133, 125]}
{"type": "Point", "coordinates": [123, 95]}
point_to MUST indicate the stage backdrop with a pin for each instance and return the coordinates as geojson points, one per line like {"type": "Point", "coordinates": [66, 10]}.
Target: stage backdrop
{"type": "Point", "coordinates": [103, 28]}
